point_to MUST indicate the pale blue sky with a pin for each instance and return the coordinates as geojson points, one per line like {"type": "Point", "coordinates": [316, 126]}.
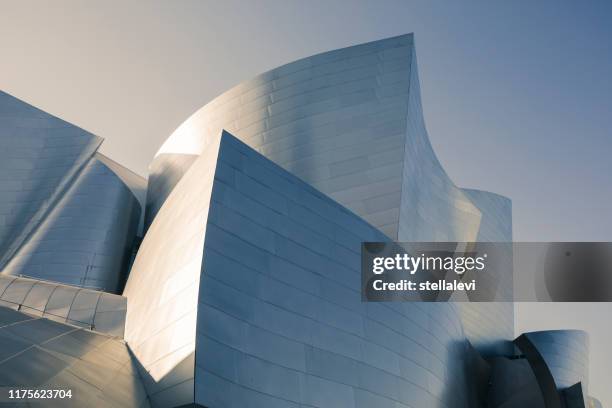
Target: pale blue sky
{"type": "Point", "coordinates": [517, 95]}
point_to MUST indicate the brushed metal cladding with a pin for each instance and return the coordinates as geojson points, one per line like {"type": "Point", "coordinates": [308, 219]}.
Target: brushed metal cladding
{"type": "Point", "coordinates": [165, 171]}
{"type": "Point", "coordinates": [37, 353]}
{"type": "Point", "coordinates": [350, 123]}
{"type": "Point", "coordinates": [39, 156]}
{"type": "Point", "coordinates": [86, 238]}
{"type": "Point", "coordinates": [163, 285]}
{"type": "Point", "coordinates": [136, 183]}
{"type": "Point", "coordinates": [566, 353]}
{"type": "Point", "coordinates": [337, 120]}
{"type": "Point", "coordinates": [253, 276]}
{"type": "Point", "coordinates": [280, 317]}
{"type": "Point", "coordinates": [93, 310]}
{"type": "Point", "coordinates": [490, 327]}
{"type": "Point", "coordinates": [432, 208]}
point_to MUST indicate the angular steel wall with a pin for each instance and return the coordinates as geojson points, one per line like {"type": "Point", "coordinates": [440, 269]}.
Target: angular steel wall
{"type": "Point", "coordinates": [270, 267]}
{"type": "Point", "coordinates": [64, 215]}
{"type": "Point", "coordinates": [163, 285]}
{"type": "Point", "coordinates": [86, 237]}
{"type": "Point", "coordinates": [39, 155]}
{"type": "Point", "coordinates": [280, 318]}
{"type": "Point", "coordinates": [349, 122]}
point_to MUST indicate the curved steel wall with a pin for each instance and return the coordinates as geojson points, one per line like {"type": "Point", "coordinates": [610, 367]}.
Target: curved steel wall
{"type": "Point", "coordinates": [163, 285]}
{"type": "Point", "coordinates": [280, 317]}
{"type": "Point", "coordinates": [64, 215]}
{"type": "Point", "coordinates": [349, 122]}
{"type": "Point", "coordinates": [270, 267]}
{"type": "Point", "coordinates": [432, 208]}
{"type": "Point", "coordinates": [490, 327]}
{"type": "Point", "coordinates": [337, 120]}
{"type": "Point", "coordinates": [165, 171]}
{"type": "Point", "coordinates": [86, 238]}
{"type": "Point", "coordinates": [496, 215]}
{"type": "Point", "coordinates": [39, 156]}
{"type": "Point", "coordinates": [566, 353]}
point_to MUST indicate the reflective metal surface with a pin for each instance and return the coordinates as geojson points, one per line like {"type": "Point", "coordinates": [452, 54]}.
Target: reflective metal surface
{"type": "Point", "coordinates": [566, 353]}
{"type": "Point", "coordinates": [163, 286]}
{"type": "Point", "coordinates": [270, 268]}
{"type": "Point", "coordinates": [337, 120]}
{"type": "Point", "coordinates": [36, 353]}
{"type": "Point", "coordinates": [39, 155]}
{"type": "Point", "coordinates": [99, 311]}
{"type": "Point", "coordinates": [165, 171]}
{"type": "Point", "coordinates": [245, 291]}
{"type": "Point", "coordinates": [64, 214]}
{"type": "Point", "coordinates": [85, 239]}
{"type": "Point", "coordinates": [349, 122]}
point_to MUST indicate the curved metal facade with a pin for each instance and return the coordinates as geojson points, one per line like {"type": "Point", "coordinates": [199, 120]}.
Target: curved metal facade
{"type": "Point", "coordinates": [245, 290]}
{"type": "Point", "coordinates": [164, 173]}
{"type": "Point", "coordinates": [349, 122]}
{"type": "Point", "coordinates": [432, 208]}
{"type": "Point", "coordinates": [337, 120]}
{"type": "Point", "coordinates": [566, 353]}
{"type": "Point", "coordinates": [255, 277]}
{"type": "Point", "coordinates": [490, 328]}
{"type": "Point", "coordinates": [86, 237]}
{"type": "Point", "coordinates": [64, 215]}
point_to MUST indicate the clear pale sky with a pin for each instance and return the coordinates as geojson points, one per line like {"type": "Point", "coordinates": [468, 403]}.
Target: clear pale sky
{"type": "Point", "coordinates": [517, 95]}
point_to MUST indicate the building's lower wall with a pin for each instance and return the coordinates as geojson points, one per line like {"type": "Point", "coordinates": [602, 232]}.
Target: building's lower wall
{"type": "Point", "coordinates": [39, 354]}
{"type": "Point", "coordinates": [94, 310]}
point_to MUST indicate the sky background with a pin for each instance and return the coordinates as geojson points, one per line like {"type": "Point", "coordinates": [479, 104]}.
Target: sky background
{"type": "Point", "coordinates": [517, 95]}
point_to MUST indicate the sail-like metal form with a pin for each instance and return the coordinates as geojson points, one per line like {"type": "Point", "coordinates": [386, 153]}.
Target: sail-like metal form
{"type": "Point", "coordinates": [65, 215]}
{"type": "Point", "coordinates": [350, 123]}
